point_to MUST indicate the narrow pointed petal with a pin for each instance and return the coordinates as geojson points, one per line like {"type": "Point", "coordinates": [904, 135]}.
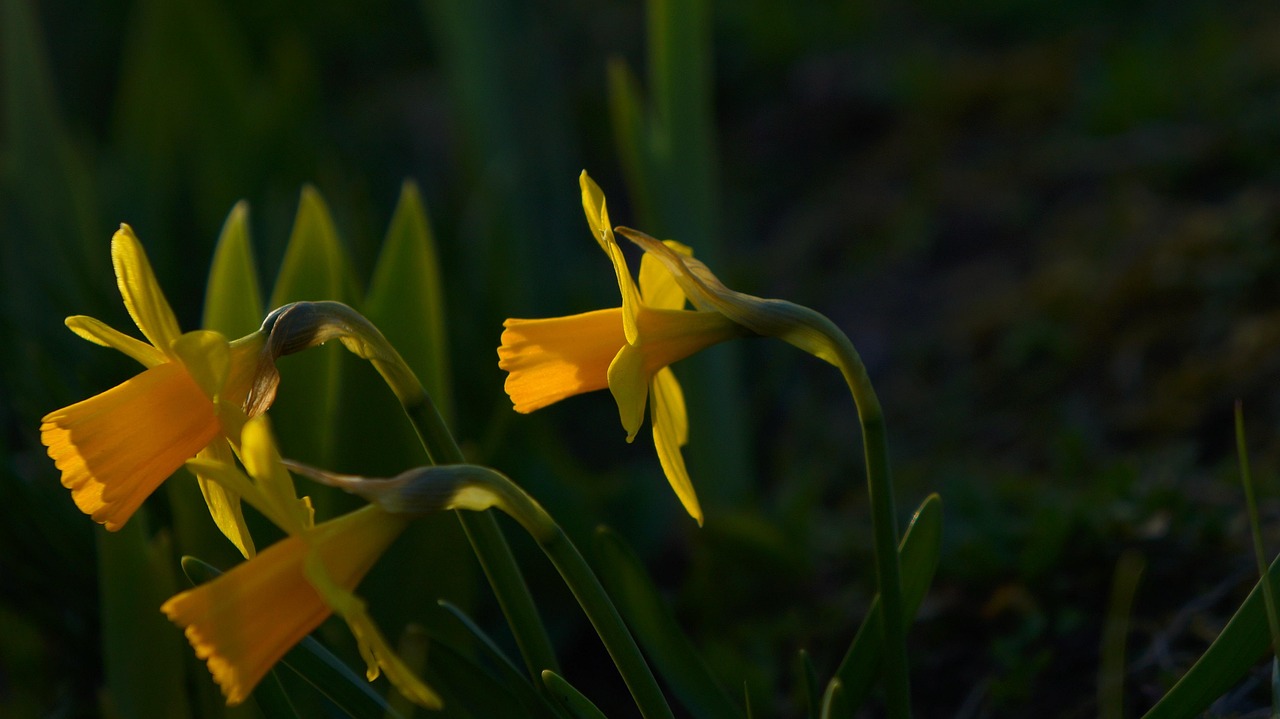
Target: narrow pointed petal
{"type": "Point", "coordinates": [374, 645]}
{"type": "Point", "coordinates": [115, 448]}
{"type": "Point", "coordinates": [629, 383]}
{"type": "Point", "coordinates": [262, 460]}
{"type": "Point", "coordinates": [141, 292]}
{"type": "Point", "coordinates": [593, 204]}
{"type": "Point", "coordinates": [207, 357]}
{"type": "Point", "coordinates": [673, 402]}
{"type": "Point", "coordinates": [224, 504]}
{"type": "Point", "coordinates": [658, 286]}
{"type": "Point", "coordinates": [551, 359]}
{"type": "Point", "coordinates": [374, 648]}
{"type": "Point", "coordinates": [670, 431]}
{"type": "Point", "coordinates": [100, 333]}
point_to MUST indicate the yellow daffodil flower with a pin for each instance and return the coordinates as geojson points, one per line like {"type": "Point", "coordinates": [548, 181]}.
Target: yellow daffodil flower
{"type": "Point", "coordinates": [116, 448]}
{"type": "Point", "coordinates": [244, 621]}
{"type": "Point", "coordinates": [627, 349]}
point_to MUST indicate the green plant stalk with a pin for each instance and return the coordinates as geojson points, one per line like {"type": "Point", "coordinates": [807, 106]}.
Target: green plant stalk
{"type": "Point", "coordinates": [490, 545]}
{"type": "Point", "coordinates": [586, 588]}
{"type": "Point", "coordinates": [303, 325]}
{"type": "Point", "coordinates": [1111, 668]}
{"type": "Point", "coordinates": [884, 523]}
{"type": "Point", "coordinates": [473, 488]}
{"type": "Point", "coordinates": [1251, 503]}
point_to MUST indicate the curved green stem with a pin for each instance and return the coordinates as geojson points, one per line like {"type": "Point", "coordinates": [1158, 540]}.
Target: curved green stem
{"type": "Point", "coordinates": [884, 524]}
{"type": "Point", "coordinates": [491, 548]}
{"type": "Point", "coordinates": [586, 588]}
{"type": "Point", "coordinates": [301, 325]}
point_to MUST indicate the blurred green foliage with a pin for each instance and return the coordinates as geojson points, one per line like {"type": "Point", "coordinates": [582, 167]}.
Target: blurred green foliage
{"type": "Point", "coordinates": [1050, 229]}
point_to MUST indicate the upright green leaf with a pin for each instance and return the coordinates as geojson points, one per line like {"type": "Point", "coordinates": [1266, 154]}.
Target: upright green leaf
{"type": "Point", "coordinates": [673, 183]}
{"type": "Point", "coordinates": [631, 134]}
{"type": "Point", "coordinates": [807, 678]}
{"type": "Point", "coordinates": [1115, 632]}
{"type": "Point", "coordinates": [142, 652]}
{"type": "Point", "coordinates": [501, 666]}
{"type": "Point", "coordinates": [314, 268]}
{"type": "Point", "coordinates": [673, 655]}
{"type": "Point", "coordinates": [833, 705]}
{"type": "Point", "coordinates": [406, 297]}
{"type": "Point", "coordinates": [1237, 649]}
{"type": "Point", "coordinates": [574, 701]}
{"type": "Point", "coordinates": [918, 553]}
{"type": "Point", "coordinates": [232, 299]}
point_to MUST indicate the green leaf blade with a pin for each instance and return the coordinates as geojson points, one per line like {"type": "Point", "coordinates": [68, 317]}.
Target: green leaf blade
{"type": "Point", "coordinates": [919, 553]}
{"type": "Point", "coordinates": [672, 653]}
{"type": "Point", "coordinates": [233, 300]}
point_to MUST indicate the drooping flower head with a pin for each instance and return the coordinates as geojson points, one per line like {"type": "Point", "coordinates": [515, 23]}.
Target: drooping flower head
{"type": "Point", "coordinates": [627, 349]}
{"type": "Point", "coordinates": [116, 448]}
{"type": "Point", "coordinates": [244, 621]}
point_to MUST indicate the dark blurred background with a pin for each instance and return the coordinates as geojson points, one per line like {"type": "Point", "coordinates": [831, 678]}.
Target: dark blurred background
{"type": "Point", "coordinates": [1050, 229]}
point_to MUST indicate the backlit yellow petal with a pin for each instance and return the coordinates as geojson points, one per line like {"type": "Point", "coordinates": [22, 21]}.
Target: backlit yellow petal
{"type": "Point", "coordinates": [658, 287]}
{"type": "Point", "coordinates": [242, 622]}
{"type": "Point", "coordinates": [593, 204]}
{"type": "Point", "coordinates": [142, 296]}
{"type": "Point", "coordinates": [224, 504]}
{"type": "Point", "coordinates": [668, 417]}
{"type": "Point", "coordinates": [100, 333]}
{"type": "Point", "coordinates": [115, 448]}
{"type": "Point", "coordinates": [673, 404]}
{"type": "Point", "coordinates": [373, 645]}
{"type": "Point", "coordinates": [262, 459]}
{"type": "Point", "coordinates": [548, 360]}
{"type": "Point", "coordinates": [629, 383]}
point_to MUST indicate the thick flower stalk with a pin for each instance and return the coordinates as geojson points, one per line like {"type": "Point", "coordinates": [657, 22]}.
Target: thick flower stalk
{"type": "Point", "coordinates": [548, 360]}
{"type": "Point", "coordinates": [116, 448]}
{"type": "Point", "coordinates": [627, 349]}
{"type": "Point", "coordinates": [472, 488]}
{"type": "Point", "coordinates": [244, 621]}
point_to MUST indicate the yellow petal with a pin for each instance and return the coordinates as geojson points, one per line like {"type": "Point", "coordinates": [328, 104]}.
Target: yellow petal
{"type": "Point", "coordinates": [142, 295]}
{"type": "Point", "coordinates": [100, 333]}
{"type": "Point", "coordinates": [593, 204]}
{"type": "Point", "coordinates": [629, 383]}
{"type": "Point", "coordinates": [548, 360]}
{"type": "Point", "coordinates": [673, 404]}
{"type": "Point", "coordinates": [207, 357]}
{"type": "Point", "coordinates": [224, 504]}
{"type": "Point", "coordinates": [262, 460]}
{"type": "Point", "coordinates": [115, 448]}
{"type": "Point", "coordinates": [658, 287]}
{"type": "Point", "coordinates": [669, 425]}
{"type": "Point", "coordinates": [379, 656]}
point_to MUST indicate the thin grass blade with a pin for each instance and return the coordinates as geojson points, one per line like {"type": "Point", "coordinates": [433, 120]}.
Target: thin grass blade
{"type": "Point", "coordinates": [919, 552]}
{"type": "Point", "coordinates": [672, 654]}
{"type": "Point", "coordinates": [570, 698]}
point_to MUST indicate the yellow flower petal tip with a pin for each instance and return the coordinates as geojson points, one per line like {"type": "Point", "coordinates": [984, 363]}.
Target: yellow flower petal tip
{"type": "Point", "coordinates": [115, 448]}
